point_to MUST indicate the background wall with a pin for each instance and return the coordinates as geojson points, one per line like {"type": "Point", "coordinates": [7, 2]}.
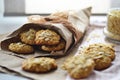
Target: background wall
{"type": "Point", "coordinates": [1, 8]}
{"type": "Point", "coordinates": [14, 7]}
{"type": "Point", "coordinates": [115, 3]}
{"type": "Point", "coordinates": [20, 7]}
{"type": "Point", "coordinates": [11, 23]}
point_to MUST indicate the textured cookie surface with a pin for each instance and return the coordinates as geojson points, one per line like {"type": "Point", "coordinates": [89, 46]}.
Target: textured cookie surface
{"type": "Point", "coordinates": [39, 65]}
{"type": "Point", "coordinates": [101, 60]}
{"type": "Point", "coordinates": [101, 48]}
{"type": "Point", "coordinates": [79, 66]}
{"type": "Point", "coordinates": [102, 54]}
{"type": "Point", "coordinates": [28, 37]}
{"type": "Point", "coordinates": [57, 47]}
{"type": "Point", "coordinates": [47, 37]}
{"type": "Point", "coordinates": [21, 48]}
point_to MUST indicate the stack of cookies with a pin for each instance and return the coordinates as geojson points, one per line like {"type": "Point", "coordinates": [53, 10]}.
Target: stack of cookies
{"type": "Point", "coordinates": [96, 56]}
{"type": "Point", "coordinates": [102, 54]}
{"type": "Point", "coordinates": [45, 39]}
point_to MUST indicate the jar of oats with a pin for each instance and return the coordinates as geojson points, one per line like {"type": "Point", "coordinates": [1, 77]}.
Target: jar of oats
{"type": "Point", "coordinates": [113, 24]}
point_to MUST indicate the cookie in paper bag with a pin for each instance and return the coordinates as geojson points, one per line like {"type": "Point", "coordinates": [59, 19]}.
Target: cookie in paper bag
{"type": "Point", "coordinates": [28, 37]}
{"type": "Point", "coordinates": [21, 48]}
{"type": "Point", "coordinates": [47, 37]}
{"type": "Point", "coordinates": [57, 47]}
{"type": "Point", "coordinates": [39, 65]}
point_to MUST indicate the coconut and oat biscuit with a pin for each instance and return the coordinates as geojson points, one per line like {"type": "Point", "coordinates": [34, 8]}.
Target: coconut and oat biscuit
{"type": "Point", "coordinates": [21, 48]}
{"type": "Point", "coordinates": [101, 60]}
{"type": "Point", "coordinates": [79, 66]}
{"type": "Point", "coordinates": [101, 48]}
{"type": "Point", "coordinates": [47, 37]}
{"type": "Point", "coordinates": [57, 47]}
{"type": "Point", "coordinates": [28, 37]}
{"type": "Point", "coordinates": [39, 65]}
{"type": "Point", "coordinates": [102, 54]}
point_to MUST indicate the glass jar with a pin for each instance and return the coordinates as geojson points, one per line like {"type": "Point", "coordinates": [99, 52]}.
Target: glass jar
{"type": "Point", "coordinates": [113, 24]}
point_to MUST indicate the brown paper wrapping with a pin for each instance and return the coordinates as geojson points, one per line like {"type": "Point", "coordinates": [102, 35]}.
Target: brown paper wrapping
{"type": "Point", "coordinates": [71, 30]}
{"type": "Point", "coordinates": [14, 37]}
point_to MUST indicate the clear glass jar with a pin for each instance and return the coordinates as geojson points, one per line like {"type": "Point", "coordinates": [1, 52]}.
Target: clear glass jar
{"type": "Point", "coordinates": [113, 24]}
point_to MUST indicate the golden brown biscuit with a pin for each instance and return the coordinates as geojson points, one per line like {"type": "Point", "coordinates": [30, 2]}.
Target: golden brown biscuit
{"type": "Point", "coordinates": [101, 48]}
{"type": "Point", "coordinates": [47, 37]}
{"type": "Point", "coordinates": [57, 47]}
{"type": "Point", "coordinates": [102, 55]}
{"type": "Point", "coordinates": [39, 65]}
{"type": "Point", "coordinates": [21, 48]}
{"type": "Point", "coordinates": [79, 66]}
{"type": "Point", "coordinates": [102, 61]}
{"type": "Point", "coordinates": [28, 37]}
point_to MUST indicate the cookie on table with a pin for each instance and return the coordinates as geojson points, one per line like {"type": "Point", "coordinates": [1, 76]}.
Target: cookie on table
{"type": "Point", "coordinates": [101, 60]}
{"type": "Point", "coordinates": [102, 54]}
{"type": "Point", "coordinates": [57, 47]}
{"type": "Point", "coordinates": [79, 66]}
{"type": "Point", "coordinates": [28, 37]}
{"type": "Point", "coordinates": [21, 48]}
{"type": "Point", "coordinates": [47, 37]}
{"type": "Point", "coordinates": [101, 48]}
{"type": "Point", "coordinates": [39, 65]}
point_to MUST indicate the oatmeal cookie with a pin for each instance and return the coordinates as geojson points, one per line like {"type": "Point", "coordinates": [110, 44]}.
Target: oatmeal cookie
{"type": "Point", "coordinates": [21, 48]}
{"type": "Point", "coordinates": [102, 55]}
{"type": "Point", "coordinates": [39, 65]}
{"type": "Point", "coordinates": [28, 37]}
{"type": "Point", "coordinates": [101, 60]}
{"type": "Point", "coordinates": [79, 66]}
{"type": "Point", "coordinates": [47, 37]}
{"type": "Point", "coordinates": [57, 47]}
{"type": "Point", "coordinates": [101, 48]}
